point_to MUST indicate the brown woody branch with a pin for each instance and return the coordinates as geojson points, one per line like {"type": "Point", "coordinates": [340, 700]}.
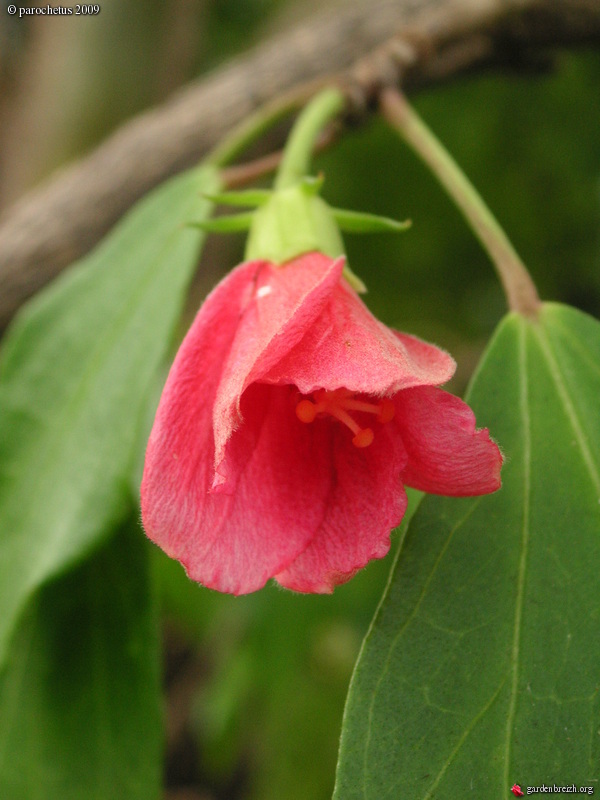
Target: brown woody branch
{"type": "Point", "coordinates": [365, 44]}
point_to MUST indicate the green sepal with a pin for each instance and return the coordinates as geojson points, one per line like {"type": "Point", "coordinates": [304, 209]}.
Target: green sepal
{"type": "Point", "coordinates": [230, 224]}
{"type": "Point", "coordinates": [294, 221]}
{"type": "Point", "coordinates": [312, 184]}
{"type": "Point", "coordinates": [354, 281]}
{"type": "Point", "coordinates": [361, 222]}
{"type": "Point", "coordinates": [250, 198]}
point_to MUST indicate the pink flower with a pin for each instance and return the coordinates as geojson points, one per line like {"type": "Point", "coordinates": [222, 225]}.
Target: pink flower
{"type": "Point", "coordinates": [289, 422]}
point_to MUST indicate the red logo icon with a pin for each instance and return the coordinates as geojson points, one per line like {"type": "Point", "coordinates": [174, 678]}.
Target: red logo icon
{"type": "Point", "coordinates": [516, 790]}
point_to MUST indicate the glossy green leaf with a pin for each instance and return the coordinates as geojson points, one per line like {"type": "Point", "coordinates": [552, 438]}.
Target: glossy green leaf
{"type": "Point", "coordinates": [482, 666]}
{"type": "Point", "coordinates": [75, 371]}
{"type": "Point", "coordinates": [80, 708]}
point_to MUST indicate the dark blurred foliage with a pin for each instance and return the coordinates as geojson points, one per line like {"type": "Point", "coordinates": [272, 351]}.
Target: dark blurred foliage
{"type": "Point", "coordinates": [273, 668]}
{"type": "Point", "coordinates": [529, 144]}
{"type": "Point", "coordinates": [256, 685]}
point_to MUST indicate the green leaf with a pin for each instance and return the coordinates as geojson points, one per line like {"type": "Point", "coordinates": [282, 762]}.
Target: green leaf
{"type": "Point", "coordinates": [481, 667]}
{"type": "Point", "coordinates": [75, 372]}
{"type": "Point", "coordinates": [80, 709]}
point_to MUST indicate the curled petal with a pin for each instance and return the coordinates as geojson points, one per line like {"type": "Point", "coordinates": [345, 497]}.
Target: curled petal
{"type": "Point", "coordinates": [347, 347]}
{"type": "Point", "coordinates": [233, 543]}
{"type": "Point", "coordinates": [446, 454]}
{"type": "Point", "coordinates": [366, 502]}
{"type": "Point", "coordinates": [284, 304]}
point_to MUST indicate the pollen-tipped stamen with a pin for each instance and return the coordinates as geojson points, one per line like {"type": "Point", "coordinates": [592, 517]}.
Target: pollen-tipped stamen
{"type": "Point", "coordinates": [363, 438]}
{"type": "Point", "coordinates": [384, 410]}
{"type": "Point", "coordinates": [387, 411]}
{"type": "Point", "coordinates": [306, 411]}
{"type": "Point", "coordinates": [337, 403]}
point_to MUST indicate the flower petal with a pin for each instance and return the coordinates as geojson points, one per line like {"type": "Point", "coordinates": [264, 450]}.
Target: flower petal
{"type": "Point", "coordinates": [180, 453]}
{"type": "Point", "coordinates": [347, 347]}
{"type": "Point", "coordinates": [446, 454]}
{"type": "Point", "coordinates": [229, 543]}
{"type": "Point", "coordinates": [233, 542]}
{"type": "Point", "coordinates": [285, 303]}
{"type": "Point", "coordinates": [240, 540]}
{"type": "Point", "coordinates": [367, 501]}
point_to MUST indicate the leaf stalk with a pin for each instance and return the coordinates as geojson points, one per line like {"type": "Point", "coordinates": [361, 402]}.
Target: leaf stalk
{"type": "Point", "coordinates": [521, 293]}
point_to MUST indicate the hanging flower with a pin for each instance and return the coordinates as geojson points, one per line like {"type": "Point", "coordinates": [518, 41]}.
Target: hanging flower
{"type": "Point", "coordinates": [292, 419]}
{"type": "Point", "coordinates": [289, 424]}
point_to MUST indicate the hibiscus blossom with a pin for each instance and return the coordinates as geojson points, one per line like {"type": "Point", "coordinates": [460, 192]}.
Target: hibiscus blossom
{"type": "Point", "coordinates": [289, 424]}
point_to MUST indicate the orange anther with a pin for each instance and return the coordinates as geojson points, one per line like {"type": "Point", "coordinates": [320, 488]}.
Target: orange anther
{"type": "Point", "coordinates": [386, 410]}
{"type": "Point", "coordinates": [306, 411]}
{"type": "Point", "coordinates": [338, 403]}
{"type": "Point", "coordinates": [363, 438]}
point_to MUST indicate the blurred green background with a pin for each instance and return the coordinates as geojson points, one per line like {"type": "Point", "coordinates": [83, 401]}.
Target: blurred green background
{"type": "Point", "coordinates": [255, 686]}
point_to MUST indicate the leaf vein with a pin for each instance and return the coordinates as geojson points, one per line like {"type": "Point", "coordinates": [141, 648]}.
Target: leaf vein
{"type": "Point", "coordinates": [396, 638]}
{"type": "Point", "coordinates": [569, 407]}
{"type": "Point", "coordinates": [465, 735]}
{"type": "Point", "coordinates": [515, 653]}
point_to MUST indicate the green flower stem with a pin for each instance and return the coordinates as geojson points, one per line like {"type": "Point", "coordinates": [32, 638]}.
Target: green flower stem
{"type": "Point", "coordinates": [299, 148]}
{"type": "Point", "coordinates": [519, 288]}
{"type": "Point", "coordinates": [254, 126]}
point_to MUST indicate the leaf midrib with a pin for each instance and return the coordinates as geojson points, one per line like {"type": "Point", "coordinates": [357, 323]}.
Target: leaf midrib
{"type": "Point", "coordinates": [525, 533]}
{"type": "Point", "coordinates": [543, 340]}
{"type": "Point", "coordinates": [568, 405]}
{"type": "Point", "coordinates": [16, 691]}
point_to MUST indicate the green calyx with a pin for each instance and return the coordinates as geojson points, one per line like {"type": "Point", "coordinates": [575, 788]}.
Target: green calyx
{"type": "Point", "coordinates": [295, 221]}
{"type": "Point", "coordinates": [292, 219]}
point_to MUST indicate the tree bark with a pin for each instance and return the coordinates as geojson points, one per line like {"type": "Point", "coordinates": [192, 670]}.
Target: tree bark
{"type": "Point", "coordinates": [366, 44]}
